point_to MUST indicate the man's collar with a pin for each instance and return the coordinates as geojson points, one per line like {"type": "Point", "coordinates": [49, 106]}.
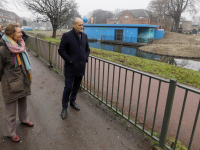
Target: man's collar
{"type": "Point", "coordinates": [78, 33]}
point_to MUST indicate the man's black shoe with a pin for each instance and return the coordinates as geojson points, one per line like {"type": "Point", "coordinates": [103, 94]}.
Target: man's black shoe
{"type": "Point", "coordinates": [64, 113]}
{"type": "Point", "coordinates": [74, 105]}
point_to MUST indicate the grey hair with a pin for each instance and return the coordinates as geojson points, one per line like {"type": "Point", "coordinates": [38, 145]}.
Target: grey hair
{"type": "Point", "coordinates": [75, 20]}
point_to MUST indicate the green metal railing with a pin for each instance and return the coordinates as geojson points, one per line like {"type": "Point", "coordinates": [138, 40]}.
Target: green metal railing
{"type": "Point", "coordinates": [128, 92]}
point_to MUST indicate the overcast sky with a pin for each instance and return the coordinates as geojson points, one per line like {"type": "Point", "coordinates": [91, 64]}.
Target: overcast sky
{"type": "Point", "coordinates": [86, 6]}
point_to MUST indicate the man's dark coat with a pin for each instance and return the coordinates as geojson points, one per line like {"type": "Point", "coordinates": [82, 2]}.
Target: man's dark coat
{"type": "Point", "coordinates": [72, 49]}
{"type": "Point", "coordinates": [24, 36]}
{"type": "Point", "coordinates": [1, 35]}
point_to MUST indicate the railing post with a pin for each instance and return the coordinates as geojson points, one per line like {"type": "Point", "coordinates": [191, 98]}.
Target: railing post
{"type": "Point", "coordinates": [50, 58]}
{"type": "Point", "coordinates": [36, 46]}
{"type": "Point", "coordinates": [168, 108]}
{"type": "Point", "coordinates": [194, 126]}
{"type": "Point", "coordinates": [27, 43]}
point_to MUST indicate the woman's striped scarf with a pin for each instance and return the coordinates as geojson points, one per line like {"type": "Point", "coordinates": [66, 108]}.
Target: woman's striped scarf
{"type": "Point", "coordinates": [16, 49]}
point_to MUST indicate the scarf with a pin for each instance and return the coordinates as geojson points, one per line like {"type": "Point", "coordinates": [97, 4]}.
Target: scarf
{"type": "Point", "coordinates": [16, 49]}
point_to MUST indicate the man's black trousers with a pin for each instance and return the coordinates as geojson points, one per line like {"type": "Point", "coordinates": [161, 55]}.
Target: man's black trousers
{"type": "Point", "coordinates": [72, 85]}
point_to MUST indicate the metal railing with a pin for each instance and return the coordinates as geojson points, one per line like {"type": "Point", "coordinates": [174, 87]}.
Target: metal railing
{"type": "Point", "coordinates": [119, 38]}
{"type": "Point", "coordinates": [147, 101]}
{"type": "Point", "coordinates": [126, 39]}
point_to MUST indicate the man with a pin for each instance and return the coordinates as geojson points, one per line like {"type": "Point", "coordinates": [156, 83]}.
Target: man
{"type": "Point", "coordinates": [24, 36]}
{"type": "Point", "coordinates": [1, 32]}
{"type": "Point", "coordinates": [74, 49]}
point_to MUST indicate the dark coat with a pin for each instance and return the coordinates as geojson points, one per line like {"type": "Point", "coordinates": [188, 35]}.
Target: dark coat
{"type": "Point", "coordinates": [71, 49]}
{"type": "Point", "coordinates": [1, 35]}
{"type": "Point", "coordinates": [15, 82]}
{"type": "Point", "coordinates": [24, 36]}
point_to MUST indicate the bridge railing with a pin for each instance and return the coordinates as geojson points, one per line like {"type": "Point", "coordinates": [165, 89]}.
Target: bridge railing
{"type": "Point", "coordinates": [159, 107]}
{"type": "Point", "coordinates": [126, 39]}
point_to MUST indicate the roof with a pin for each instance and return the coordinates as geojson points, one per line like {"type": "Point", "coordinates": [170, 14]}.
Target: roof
{"type": "Point", "coordinates": [136, 13]}
{"type": "Point", "coordinates": [8, 13]}
{"type": "Point", "coordinates": [122, 25]}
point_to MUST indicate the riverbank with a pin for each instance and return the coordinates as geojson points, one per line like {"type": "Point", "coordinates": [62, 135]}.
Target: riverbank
{"type": "Point", "coordinates": [175, 45]}
{"type": "Point", "coordinates": [185, 76]}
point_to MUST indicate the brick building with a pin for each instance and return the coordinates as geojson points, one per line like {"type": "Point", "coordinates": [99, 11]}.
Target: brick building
{"type": "Point", "coordinates": [136, 16]}
{"type": "Point", "coordinates": [7, 17]}
{"type": "Point", "coordinates": [188, 25]}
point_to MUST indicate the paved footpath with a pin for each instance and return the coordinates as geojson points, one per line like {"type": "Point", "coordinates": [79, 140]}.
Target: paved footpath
{"type": "Point", "coordinates": [94, 127]}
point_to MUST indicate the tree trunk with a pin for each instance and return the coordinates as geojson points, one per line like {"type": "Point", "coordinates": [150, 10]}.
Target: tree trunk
{"type": "Point", "coordinates": [176, 25]}
{"type": "Point", "coordinates": [177, 21]}
{"type": "Point", "coordinates": [54, 33]}
{"type": "Point", "coordinates": [172, 26]}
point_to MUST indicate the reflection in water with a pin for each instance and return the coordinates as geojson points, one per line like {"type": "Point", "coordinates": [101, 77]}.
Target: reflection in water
{"type": "Point", "coordinates": [185, 63]}
{"type": "Point", "coordinates": [190, 64]}
{"type": "Point", "coordinates": [169, 60]}
{"type": "Point", "coordinates": [124, 50]}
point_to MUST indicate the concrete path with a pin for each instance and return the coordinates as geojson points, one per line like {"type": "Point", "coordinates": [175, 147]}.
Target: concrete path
{"type": "Point", "coordinates": [94, 127]}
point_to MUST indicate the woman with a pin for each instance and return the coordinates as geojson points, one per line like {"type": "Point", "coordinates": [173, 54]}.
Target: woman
{"type": "Point", "coordinates": [15, 77]}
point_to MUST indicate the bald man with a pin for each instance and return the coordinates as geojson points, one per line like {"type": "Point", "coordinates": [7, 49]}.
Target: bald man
{"type": "Point", "coordinates": [74, 49]}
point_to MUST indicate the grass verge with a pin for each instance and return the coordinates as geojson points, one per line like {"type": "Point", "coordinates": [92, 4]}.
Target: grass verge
{"type": "Point", "coordinates": [42, 36]}
{"type": "Point", "coordinates": [185, 76]}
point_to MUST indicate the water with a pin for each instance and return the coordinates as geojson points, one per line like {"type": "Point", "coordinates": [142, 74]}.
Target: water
{"type": "Point", "coordinates": [185, 63]}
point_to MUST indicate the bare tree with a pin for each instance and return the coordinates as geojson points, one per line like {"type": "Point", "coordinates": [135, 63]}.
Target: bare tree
{"type": "Point", "coordinates": [117, 11]}
{"type": "Point", "coordinates": [159, 8]}
{"type": "Point", "coordinates": [100, 16]}
{"type": "Point", "coordinates": [174, 8]}
{"type": "Point", "coordinates": [58, 12]}
{"type": "Point", "coordinates": [70, 21]}
{"type": "Point", "coordinates": [3, 2]}
{"type": "Point", "coordinates": [89, 16]}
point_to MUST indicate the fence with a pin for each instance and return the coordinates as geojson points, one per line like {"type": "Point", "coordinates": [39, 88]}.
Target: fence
{"type": "Point", "coordinates": [159, 107]}
{"type": "Point", "coordinates": [126, 39]}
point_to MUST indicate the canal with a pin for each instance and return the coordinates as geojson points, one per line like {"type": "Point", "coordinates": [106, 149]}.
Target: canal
{"type": "Point", "coordinates": [185, 63]}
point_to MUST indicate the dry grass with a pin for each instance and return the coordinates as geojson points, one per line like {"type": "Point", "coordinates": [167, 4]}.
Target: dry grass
{"type": "Point", "coordinates": [59, 33]}
{"type": "Point", "coordinates": [175, 44]}
{"type": "Point", "coordinates": [177, 38]}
